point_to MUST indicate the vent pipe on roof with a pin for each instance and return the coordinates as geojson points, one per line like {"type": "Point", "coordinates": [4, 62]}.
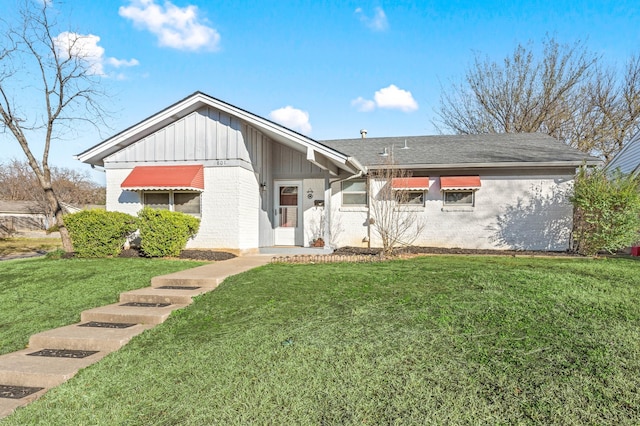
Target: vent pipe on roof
{"type": "Point", "coordinates": [405, 145]}
{"type": "Point", "coordinates": [363, 133]}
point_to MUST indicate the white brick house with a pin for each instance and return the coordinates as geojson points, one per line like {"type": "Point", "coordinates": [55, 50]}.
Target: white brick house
{"type": "Point", "coordinates": [256, 184]}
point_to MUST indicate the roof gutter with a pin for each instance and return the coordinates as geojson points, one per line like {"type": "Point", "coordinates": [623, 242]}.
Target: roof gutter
{"type": "Point", "coordinates": [361, 170]}
{"type": "Point", "coordinates": [490, 165]}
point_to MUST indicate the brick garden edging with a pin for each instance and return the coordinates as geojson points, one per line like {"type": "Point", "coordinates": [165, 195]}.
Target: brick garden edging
{"type": "Point", "coordinates": [328, 258]}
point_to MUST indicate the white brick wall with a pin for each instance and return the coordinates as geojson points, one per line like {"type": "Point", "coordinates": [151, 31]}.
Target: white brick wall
{"type": "Point", "coordinates": [510, 212]}
{"type": "Point", "coordinates": [248, 209]}
{"type": "Point", "coordinates": [348, 224]}
{"type": "Point", "coordinates": [229, 206]}
{"type": "Point", "coordinates": [117, 199]}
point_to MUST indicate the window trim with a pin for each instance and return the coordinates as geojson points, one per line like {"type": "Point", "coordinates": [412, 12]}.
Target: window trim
{"type": "Point", "coordinates": [449, 191]}
{"type": "Point", "coordinates": [365, 192]}
{"type": "Point", "coordinates": [423, 194]}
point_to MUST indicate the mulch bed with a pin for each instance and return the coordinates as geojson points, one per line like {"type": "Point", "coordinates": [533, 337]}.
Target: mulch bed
{"type": "Point", "coordinates": [366, 255]}
{"type": "Point", "coordinates": [190, 254]}
{"type": "Point", "coordinates": [209, 255]}
{"type": "Point", "coordinates": [439, 250]}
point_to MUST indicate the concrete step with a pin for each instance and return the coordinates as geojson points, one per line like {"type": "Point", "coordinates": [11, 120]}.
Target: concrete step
{"type": "Point", "coordinates": [20, 369]}
{"type": "Point", "coordinates": [86, 338]}
{"type": "Point", "coordinates": [8, 406]}
{"type": "Point", "coordinates": [181, 281]}
{"type": "Point", "coordinates": [129, 314]}
{"type": "Point", "coordinates": [182, 296]}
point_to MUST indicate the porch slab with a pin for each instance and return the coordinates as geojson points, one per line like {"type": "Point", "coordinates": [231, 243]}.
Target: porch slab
{"type": "Point", "coordinates": [210, 275]}
{"type": "Point", "coordinates": [294, 251]}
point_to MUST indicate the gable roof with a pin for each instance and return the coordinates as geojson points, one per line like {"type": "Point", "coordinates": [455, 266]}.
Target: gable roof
{"type": "Point", "coordinates": [443, 151]}
{"type": "Point", "coordinates": [321, 155]}
{"type": "Point", "coordinates": [450, 151]}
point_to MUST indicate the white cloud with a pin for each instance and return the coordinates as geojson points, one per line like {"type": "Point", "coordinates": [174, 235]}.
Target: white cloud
{"type": "Point", "coordinates": [175, 27]}
{"type": "Point", "coordinates": [363, 105]}
{"type": "Point", "coordinates": [394, 98]}
{"type": "Point", "coordinates": [292, 118]}
{"type": "Point", "coordinates": [389, 98]}
{"type": "Point", "coordinates": [118, 63]}
{"type": "Point", "coordinates": [82, 46]}
{"type": "Point", "coordinates": [86, 48]}
{"type": "Point", "coordinates": [377, 22]}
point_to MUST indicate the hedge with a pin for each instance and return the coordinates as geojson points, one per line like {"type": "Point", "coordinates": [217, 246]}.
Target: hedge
{"type": "Point", "coordinates": [99, 233]}
{"type": "Point", "coordinates": [607, 211]}
{"type": "Point", "coordinates": [165, 233]}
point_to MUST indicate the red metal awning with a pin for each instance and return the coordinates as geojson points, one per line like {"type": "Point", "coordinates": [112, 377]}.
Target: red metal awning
{"type": "Point", "coordinates": [165, 177]}
{"type": "Point", "coordinates": [459, 182]}
{"type": "Point", "coordinates": [410, 183]}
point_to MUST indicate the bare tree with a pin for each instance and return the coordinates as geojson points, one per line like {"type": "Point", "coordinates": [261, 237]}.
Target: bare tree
{"type": "Point", "coordinates": [565, 94]}
{"type": "Point", "coordinates": [391, 216]}
{"type": "Point", "coordinates": [19, 183]}
{"type": "Point", "coordinates": [608, 115]}
{"type": "Point", "coordinates": [35, 63]}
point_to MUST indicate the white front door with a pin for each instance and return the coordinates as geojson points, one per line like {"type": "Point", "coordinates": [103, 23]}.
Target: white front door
{"type": "Point", "coordinates": [288, 211]}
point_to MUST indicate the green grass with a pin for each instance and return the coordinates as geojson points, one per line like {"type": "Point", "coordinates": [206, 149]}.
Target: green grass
{"type": "Point", "coordinates": [434, 340]}
{"type": "Point", "coordinates": [41, 294]}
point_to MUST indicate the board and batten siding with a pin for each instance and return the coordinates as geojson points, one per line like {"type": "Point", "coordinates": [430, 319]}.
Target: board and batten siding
{"type": "Point", "coordinates": [205, 134]}
{"type": "Point", "coordinates": [292, 164]}
{"type": "Point", "coordinates": [260, 154]}
{"type": "Point", "coordinates": [628, 159]}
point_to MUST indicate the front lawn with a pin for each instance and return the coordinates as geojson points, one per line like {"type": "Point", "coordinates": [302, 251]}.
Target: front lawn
{"type": "Point", "coordinates": [41, 294]}
{"type": "Point", "coordinates": [433, 340]}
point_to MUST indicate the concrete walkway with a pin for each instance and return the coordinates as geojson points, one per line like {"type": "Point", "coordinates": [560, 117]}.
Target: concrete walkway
{"type": "Point", "coordinates": [55, 356]}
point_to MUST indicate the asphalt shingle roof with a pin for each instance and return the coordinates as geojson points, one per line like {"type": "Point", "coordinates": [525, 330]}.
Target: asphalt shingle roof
{"type": "Point", "coordinates": [461, 149]}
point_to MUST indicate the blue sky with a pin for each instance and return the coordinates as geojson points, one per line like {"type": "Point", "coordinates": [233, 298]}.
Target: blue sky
{"type": "Point", "coordinates": [324, 68]}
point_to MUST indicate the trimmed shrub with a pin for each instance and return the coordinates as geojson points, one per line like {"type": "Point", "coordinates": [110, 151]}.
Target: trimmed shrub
{"type": "Point", "coordinates": [165, 233]}
{"type": "Point", "coordinates": [99, 233]}
{"type": "Point", "coordinates": [606, 211]}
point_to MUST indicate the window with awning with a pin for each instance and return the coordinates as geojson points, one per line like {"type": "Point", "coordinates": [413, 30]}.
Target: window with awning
{"type": "Point", "coordinates": [459, 182]}
{"type": "Point", "coordinates": [150, 178]}
{"type": "Point", "coordinates": [410, 190]}
{"type": "Point", "coordinates": [459, 190]}
{"type": "Point", "coordinates": [410, 183]}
